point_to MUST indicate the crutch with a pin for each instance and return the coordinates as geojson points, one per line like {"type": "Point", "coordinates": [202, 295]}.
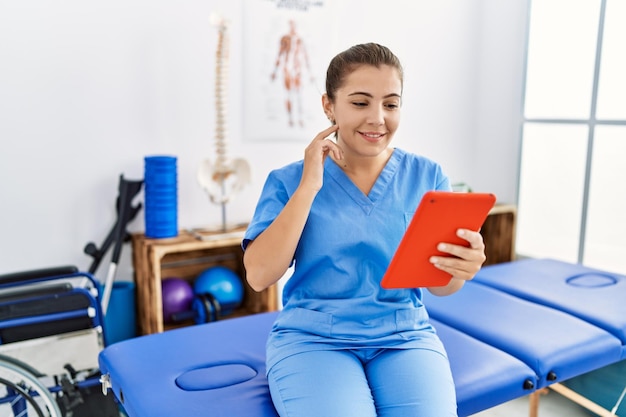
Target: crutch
{"type": "Point", "coordinates": [125, 213]}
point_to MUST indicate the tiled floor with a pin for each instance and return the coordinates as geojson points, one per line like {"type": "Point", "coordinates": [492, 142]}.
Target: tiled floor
{"type": "Point", "coordinates": [550, 405]}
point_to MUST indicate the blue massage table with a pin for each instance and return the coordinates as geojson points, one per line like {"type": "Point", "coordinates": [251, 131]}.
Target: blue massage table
{"type": "Point", "coordinates": [515, 329]}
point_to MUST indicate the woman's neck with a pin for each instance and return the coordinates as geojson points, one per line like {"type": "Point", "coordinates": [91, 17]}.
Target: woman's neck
{"type": "Point", "coordinates": [363, 170]}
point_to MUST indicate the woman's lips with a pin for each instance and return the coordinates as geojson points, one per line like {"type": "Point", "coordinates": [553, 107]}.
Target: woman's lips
{"type": "Point", "coordinates": [372, 136]}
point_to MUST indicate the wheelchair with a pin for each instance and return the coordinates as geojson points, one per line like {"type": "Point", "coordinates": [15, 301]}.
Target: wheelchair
{"type": "Point", "coordinates": [51, 331]}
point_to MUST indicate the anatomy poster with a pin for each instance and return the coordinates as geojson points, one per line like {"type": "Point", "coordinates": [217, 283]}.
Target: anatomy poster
{"type": "Point", "coordinates": [287, 47]}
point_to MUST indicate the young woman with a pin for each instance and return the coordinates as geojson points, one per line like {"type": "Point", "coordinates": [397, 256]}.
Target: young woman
{"type": "Point", "coordinates": [343, 346]}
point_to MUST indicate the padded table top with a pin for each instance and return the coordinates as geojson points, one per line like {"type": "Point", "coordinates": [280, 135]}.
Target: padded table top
{"type": "Point", "coordinates": [595, 296]}
{"type": "Point", "coordinates": [178, 372]}
{"type": "Point", "coordinates": [556, 345]}
{"type": "Point", "coordinates": [483, 375]}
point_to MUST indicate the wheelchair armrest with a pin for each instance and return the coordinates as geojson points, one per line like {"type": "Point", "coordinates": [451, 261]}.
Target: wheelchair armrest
{"type": "Point", "coordinates": [37, 273]}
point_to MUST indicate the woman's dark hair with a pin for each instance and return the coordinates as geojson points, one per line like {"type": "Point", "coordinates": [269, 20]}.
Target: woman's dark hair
{"type": "Point", "coordinates": [363, 54]}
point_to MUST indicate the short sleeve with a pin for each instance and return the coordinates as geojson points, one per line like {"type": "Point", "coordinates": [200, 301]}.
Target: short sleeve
{"type": "Point", "coordinates": [443, 182]}
{"type": "Point", "coordinates": [273, 198]}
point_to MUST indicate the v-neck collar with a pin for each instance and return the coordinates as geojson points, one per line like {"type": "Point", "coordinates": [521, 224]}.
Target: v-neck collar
{"type": "Point", "coordinates": [367, 202]}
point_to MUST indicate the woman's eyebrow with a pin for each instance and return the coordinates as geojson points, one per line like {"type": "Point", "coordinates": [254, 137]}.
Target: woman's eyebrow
{"type": "Point", "coordinates": [361, 93]}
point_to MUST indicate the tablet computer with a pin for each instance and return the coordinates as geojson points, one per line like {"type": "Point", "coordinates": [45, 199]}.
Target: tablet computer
{"type": "Point", "coordinates": [439, 215]}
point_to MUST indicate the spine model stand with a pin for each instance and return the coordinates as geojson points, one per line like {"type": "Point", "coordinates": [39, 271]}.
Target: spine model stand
{"type": "Point", "coordinates": [225, 177]}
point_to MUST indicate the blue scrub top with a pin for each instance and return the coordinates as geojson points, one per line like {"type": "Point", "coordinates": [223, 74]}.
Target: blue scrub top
{"type": "Point", "coordinates": [333, 299]}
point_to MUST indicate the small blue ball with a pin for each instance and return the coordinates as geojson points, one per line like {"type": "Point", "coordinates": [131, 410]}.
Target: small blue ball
{"type": "Point", "coordinates": [223, 284]}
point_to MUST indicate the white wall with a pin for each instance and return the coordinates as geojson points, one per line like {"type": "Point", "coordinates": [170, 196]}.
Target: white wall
{"type": "Point", "coordinates": [499, 95]}
{"type": "Point", "coordinates": [87, 89]}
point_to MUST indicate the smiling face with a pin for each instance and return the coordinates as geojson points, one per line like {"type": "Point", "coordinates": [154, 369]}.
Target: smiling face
{"type": "Point", "coordinates": [367, 109]}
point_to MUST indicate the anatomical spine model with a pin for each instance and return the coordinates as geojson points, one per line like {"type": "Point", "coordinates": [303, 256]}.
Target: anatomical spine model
{"type": "Point", "coordinates": [225, 177]}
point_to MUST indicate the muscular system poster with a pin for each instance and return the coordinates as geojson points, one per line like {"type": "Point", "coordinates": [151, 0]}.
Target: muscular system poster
{"type": "Point", "coordinates": [287, 46]}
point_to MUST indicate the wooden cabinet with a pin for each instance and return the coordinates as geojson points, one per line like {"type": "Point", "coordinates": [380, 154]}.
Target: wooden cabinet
{"type": "Point", "coordinates": [186, 256]}
{"type": "Point", "coordinates": [498, 233]}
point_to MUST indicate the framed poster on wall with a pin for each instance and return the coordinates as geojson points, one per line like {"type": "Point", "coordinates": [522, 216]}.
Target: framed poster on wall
{"type": "Point", "coordinates": [287, 46]}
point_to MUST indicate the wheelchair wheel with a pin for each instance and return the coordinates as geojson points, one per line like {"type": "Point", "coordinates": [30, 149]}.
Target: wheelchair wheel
{"type": "Point", "coordinates": [23, 395]}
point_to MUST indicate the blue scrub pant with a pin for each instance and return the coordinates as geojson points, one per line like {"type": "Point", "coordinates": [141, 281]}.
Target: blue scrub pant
{"type": "Point", "coordinates": [364, 383]}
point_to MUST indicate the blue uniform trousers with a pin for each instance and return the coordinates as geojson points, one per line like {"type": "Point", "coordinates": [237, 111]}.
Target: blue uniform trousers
{"type": "Point", "coordinates": [363, 383]}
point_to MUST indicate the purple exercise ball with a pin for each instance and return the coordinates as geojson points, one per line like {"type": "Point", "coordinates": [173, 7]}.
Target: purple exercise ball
{"type": "Point", "coordinates": [177, 295]}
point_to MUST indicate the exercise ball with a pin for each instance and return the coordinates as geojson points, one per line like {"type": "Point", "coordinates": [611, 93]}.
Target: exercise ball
{"type": "Point", "coordinates": [223, 284]}
{"type": "Point", "coordinates": [177, 295]}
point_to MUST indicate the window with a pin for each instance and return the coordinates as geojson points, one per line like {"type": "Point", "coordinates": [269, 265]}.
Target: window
{"type": "Point", "coordinates": [572, 190]}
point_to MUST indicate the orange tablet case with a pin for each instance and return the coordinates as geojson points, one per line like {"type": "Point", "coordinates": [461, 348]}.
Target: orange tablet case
{"type": "Point", "coordinates": [438, 216]}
